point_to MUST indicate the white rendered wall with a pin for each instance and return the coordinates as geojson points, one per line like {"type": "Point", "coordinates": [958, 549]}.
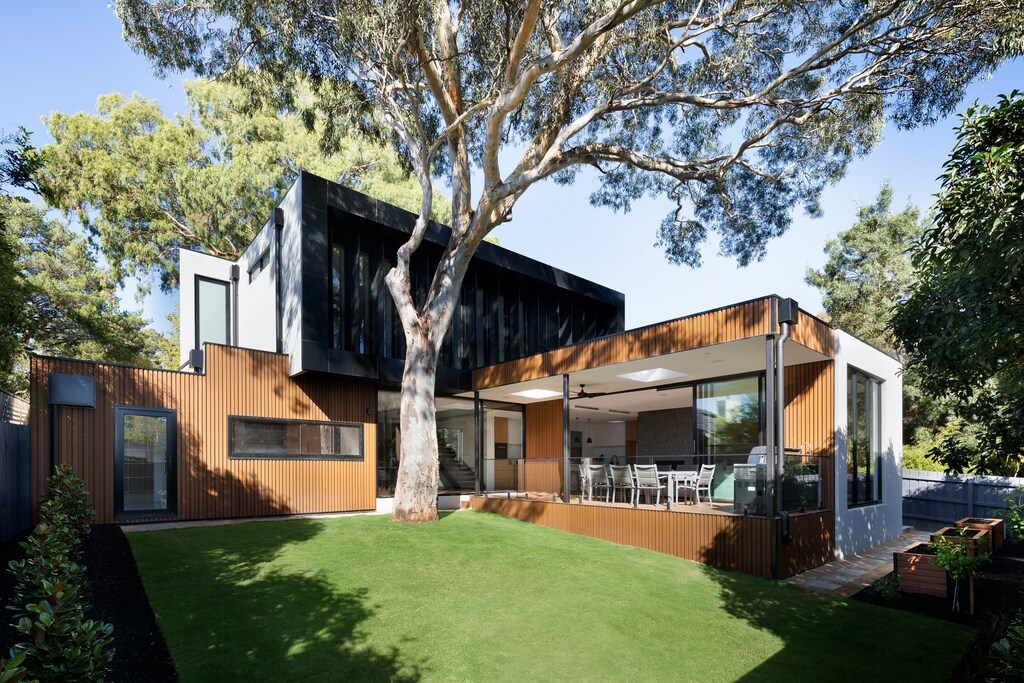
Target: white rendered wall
{"type": "Point", "coordinates": [257, 300]}
{"type": "Point", "coordinates": [291, 278]}
{"type": "Point", "coordinates": [863, 527]}
{"type": "Point", "coordinates": [190, 264]}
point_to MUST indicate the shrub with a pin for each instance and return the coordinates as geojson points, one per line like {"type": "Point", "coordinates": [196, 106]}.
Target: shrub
{"type": "Point", "coordinates": [66, 506]}
{"type": "Point", "coordinates": [12, 671]}
{"type": "Point", "coordinates": [59, 643]}
{"type": "Point", "coordinates": [1006, 659]}
{"type": "Point", "coordinates": [1014, 514]}
{"type": "Point", "coordinates": [959, 558]}
{"type": "Point", "coordinates": [889, 586]}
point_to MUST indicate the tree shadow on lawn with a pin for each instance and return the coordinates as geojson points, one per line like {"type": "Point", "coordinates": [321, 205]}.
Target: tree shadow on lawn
{"type": "Point", "coordinates": [228, 616]}
{"type": "Point", "coordinates": [828, 637]}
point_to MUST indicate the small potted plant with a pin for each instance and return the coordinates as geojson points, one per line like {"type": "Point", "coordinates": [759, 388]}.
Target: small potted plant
{"type": "Point", "coordinates": [960, 562]}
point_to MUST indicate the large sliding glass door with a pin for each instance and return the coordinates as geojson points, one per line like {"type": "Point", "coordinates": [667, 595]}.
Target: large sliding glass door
{"type": "Point", "coordinates": [145, 454]}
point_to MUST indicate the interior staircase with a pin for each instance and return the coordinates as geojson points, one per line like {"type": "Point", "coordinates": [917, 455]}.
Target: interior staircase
{"type": "Point", "coordinates": [454, 474]}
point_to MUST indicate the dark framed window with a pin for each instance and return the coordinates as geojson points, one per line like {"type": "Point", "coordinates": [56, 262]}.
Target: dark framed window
{"type": "Point", "coordinates": [729, 415]}
{"type": "Point", "coordinates": [145, 461]}
{"type": "Point", "coordinates": [259, 265]}
{"type": "Point", "coordinates": [274, 439]}
{"type": "Point", "coordinates": [863, 471]}
{"type": "Point", "coordinates": [213, 311]}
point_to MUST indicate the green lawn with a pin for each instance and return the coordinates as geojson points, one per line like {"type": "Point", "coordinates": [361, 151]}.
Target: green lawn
{"type": "Point", "coordinates": [480, 597]}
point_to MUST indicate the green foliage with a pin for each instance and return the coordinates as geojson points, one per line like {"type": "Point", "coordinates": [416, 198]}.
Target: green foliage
{"type": "Point", "coordinates": [12, 671]}
{"type": "Point", "coordinates": [1006, 659]}
{"type": "Point", "coordinates": [889, 586]}
{"type": "Point", "coordinates": [168, 354]}
{"type": "Point", "coordinates": [963, 322]}
{"type": "Point", "coordinates": [868, 270]}
{"type": "Point", "coordinates": [63, 302]}
{"type": "Point", "coordinates": [145, 184]}
{"type": "Point", "coordinates": [1013, 513]}
{"type": "Point", "coordinates": [916, 457]}
{"type": "Point", "coordinates": [59, 644]}
{"type": "Point", "coordinates": [960, 558]}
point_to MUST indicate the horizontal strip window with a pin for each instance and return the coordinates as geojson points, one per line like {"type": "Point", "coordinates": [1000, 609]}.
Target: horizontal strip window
{"type": "Point", "coordinates": [270, 439]}
{"type": "Point", "coordinates": [259, 265]}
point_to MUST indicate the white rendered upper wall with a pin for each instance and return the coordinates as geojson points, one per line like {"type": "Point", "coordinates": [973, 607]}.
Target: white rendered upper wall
{"type": "Point", "coordinates": [866, 526]}
{"type": "Point", "coordinates": [253, 308]}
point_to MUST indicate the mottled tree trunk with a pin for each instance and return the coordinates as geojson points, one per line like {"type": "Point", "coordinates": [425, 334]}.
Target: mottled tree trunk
{"type": "Point", "coordinates": [416, 488]}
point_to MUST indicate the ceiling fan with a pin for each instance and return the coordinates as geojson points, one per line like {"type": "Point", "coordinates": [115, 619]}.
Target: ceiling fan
{"type": "Point", "coordinates": [582, 393]}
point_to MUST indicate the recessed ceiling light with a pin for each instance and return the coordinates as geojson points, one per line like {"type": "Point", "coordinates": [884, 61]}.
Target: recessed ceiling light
{"type": "Point", "coordinates": [537, 393]}
{"type": "Point", "coordinates": [655, 375]}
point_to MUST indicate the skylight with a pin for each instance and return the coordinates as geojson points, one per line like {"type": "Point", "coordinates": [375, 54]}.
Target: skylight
{"type": "Point", "coordinates": [536, 393]}
{"type": "Point", "coordinates": [655, 375]}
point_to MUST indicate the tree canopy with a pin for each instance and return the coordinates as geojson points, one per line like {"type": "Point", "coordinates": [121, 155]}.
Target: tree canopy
{"type": "Point", "coordinates": [868, 270]}
{"type": "Point", "coordinates": [144, 184]}
{"type": "Point", "coordinates": [963, 322]}
{"type": "Point", "coordinates": [738, 112]}
{"type": "Point", "coordinates": [64, 302]}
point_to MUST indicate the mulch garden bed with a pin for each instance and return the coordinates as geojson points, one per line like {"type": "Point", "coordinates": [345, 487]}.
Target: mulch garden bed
{"type": "Point", "coordinates": [998, 594]}
{"type": "Point", "coordinates": [117, 598]}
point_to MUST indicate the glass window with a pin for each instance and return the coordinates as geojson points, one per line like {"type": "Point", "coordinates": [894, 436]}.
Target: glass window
{"type": "Point", "coordinates": [338, 295]}
{"type": "Point", "coordinates": [730, 416]}
{"type": "Point", "coordinates": [863, 480]}
{"type": "Point", "coordinates": [144, 457]}
{"type": "Point", "coordinates": [212, 306]}
{"type": "Point", "coordinates": [253, 437]}
{"type": "Point", "coordinates": [259, 265]}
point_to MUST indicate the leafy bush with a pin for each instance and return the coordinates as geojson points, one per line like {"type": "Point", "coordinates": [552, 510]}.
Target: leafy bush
{"type": "Point", "coordinates": [12, 671]}
{"type": "Point", "coordinates": [59, 644]}
{"type": "Point", "coordinates": [1014, 514]}
{"type": "Point", "coordinates": [916, 457]}
{"type": "Point", "coordinates": [889, 586]}
{"type": "Point", "coordinates": [1006, 659]}
{"type": "Point", "coordinates": [960, 558]}
{"type": "Point", "coordinates": [66, 506]}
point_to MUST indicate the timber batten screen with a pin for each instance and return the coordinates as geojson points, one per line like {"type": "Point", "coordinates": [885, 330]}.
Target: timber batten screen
{"type": "Point", "coordinates": [209, 484]}
{"type": "Point", "coordinates": [732, 323]}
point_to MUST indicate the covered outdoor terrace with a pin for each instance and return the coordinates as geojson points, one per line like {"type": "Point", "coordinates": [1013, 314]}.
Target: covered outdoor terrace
{"type": "Point", "coordinates": [717, 425]}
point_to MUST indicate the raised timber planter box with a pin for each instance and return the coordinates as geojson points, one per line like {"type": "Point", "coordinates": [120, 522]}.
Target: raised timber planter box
{"type": "Point", "coordinates": [917, 573]}
{"type": "Point", "coordinates": [995, 526]}
{"type": "Point", "coordinates": [978, 540]}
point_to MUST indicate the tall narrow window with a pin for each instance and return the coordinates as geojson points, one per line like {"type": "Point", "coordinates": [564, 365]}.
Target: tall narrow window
{"type": "Point", "coordinates": [213, 305]}
{"type": "Point", "coordinates": [863, 480]}
{"type": "Point", "coordinates": [361, 316]}
{"type": "Point", "coordinates": [338, 295]}
{"type": "Point", "coordinates": [144, 460]}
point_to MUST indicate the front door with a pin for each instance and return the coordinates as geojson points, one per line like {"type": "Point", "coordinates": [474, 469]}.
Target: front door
{"type": "Point", "coordinates": [145, 454]}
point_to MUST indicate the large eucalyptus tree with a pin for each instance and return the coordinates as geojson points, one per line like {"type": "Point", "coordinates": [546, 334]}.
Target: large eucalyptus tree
{"type": "Point", "coordinates": [737, 110]}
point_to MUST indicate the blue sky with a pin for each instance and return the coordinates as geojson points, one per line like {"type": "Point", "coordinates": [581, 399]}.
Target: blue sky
{"type": "Point", "coordinates": [60, 55]}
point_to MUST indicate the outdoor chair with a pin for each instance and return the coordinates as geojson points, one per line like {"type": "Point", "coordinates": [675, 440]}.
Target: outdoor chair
{"type": "Point", "coordinates": [701, 483]}
{"type": "Point", "coordinates": [597, 478]}
{"type": "Point", "coordinates": [646, 477]}
{"type": "Point", "coordinates": [622, 480]}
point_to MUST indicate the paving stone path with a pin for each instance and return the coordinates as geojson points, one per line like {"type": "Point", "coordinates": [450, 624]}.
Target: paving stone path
{"type": "Point", "coordinates": [849, 575]}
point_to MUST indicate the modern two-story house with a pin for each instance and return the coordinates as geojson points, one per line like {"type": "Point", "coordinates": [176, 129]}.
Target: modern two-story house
{"type": "Point", "coordinates": [286, 401]}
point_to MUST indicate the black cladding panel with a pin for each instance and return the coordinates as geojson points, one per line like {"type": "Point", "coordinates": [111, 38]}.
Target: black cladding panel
{"type": "Point", "coordinates": [72, 390]}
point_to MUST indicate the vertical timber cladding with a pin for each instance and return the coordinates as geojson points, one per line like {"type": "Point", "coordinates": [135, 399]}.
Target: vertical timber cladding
{"type": "Point", "coordinates": [810, 426]}
{"type": "Point", "coordinates": [237, 382]}
{"type": "Point", "coordinates": [724, 324]}
{"type": "Point", "coordinates": [543, 442]}
{"type": "Point", "coordinates": [730, 542]}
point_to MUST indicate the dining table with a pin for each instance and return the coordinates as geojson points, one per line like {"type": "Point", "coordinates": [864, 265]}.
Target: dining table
{"type": "Point", "coordinates": [673, 478]}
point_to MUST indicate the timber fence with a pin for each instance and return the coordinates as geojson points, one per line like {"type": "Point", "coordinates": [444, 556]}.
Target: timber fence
{"type": "Point", "coordinates": [933, 499]}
